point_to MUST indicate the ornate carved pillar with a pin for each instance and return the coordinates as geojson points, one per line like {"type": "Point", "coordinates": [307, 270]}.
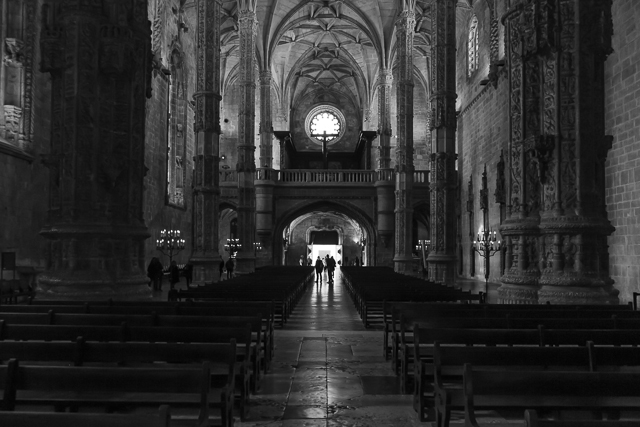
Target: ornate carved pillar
{"type": "Point", "coordinates": [385, 175]}
{"type": "Point", "coordinates": [246, 167]}
{"type": "Point", "coordinates": [403, 258]}
{"type": "Point", "coordinates": [264, 181]}
{"type": "Point", "coordinates": [206, 188]}
{"type": "Point", "coordinates": [557, 226]}
{"type": "Point", "coordinates": [443, 175]}
{"type": "Point", "coordinates": [98, 54]}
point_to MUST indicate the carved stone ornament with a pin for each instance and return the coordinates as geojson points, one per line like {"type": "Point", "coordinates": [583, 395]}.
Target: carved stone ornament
{"type": "Point", "coordinates": [13, 52]}
{"type": "Point", "coordinates": [12, 117]}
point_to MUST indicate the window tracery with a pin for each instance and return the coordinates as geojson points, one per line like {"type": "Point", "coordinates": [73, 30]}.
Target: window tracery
{"type": "Point", "coordinates": [472, 46]}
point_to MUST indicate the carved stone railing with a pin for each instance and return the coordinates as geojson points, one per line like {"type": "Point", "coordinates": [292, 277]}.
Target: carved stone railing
{"type": "Point", "coordinates": [325, 177]}
{"type": "Point", "coordinates": [320, 176]}
{"type": "Point", "coordinates": [421, 177]}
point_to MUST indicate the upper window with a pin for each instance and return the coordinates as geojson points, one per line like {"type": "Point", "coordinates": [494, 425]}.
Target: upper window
{"type": "Point", "coordinates": [472, 46]}
{"type": "Point", "coordinates": [325, 123]}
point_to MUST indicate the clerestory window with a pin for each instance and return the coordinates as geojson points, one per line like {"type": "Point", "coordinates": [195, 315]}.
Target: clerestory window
{"type": "Point", "coordinates": [472, 46]}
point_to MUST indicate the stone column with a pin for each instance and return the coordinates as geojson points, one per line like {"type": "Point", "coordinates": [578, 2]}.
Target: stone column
{"type": "Point", "coordinates": [385, 175]}
{"type": "Point", "coordinates": [443, 176]}
{"type": "Point", "coordinates": [246, 167]}
{"type": "Point", "coordinates": [98, 54]}
{"type": "Point", "coordinates": [206, 188]}
{"type": "Point", "coordinates": [403, 258]}
{"type": "Point", "coordinates": [265, 178]}
{"type": "Point", "coordinates": [556, 228]}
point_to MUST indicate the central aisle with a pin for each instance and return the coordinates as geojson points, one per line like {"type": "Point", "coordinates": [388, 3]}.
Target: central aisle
{"type": "Point", "coordinates": [329, 371]}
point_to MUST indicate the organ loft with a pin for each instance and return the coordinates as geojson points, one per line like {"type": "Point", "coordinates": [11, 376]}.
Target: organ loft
{"type": "Point", "coordinates": [377, 181]}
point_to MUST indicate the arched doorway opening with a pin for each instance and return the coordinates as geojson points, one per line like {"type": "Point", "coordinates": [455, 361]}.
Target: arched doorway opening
{"type": "Point", "coordinates": [325, 228]}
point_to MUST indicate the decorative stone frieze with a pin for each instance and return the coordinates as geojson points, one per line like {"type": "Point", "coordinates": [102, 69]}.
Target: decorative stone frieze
{"type": "Point", "coordinates": [557, 227]}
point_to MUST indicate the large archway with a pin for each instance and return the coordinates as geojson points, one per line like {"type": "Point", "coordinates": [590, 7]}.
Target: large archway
{"type": "Point", "coordinates": [306, 232]}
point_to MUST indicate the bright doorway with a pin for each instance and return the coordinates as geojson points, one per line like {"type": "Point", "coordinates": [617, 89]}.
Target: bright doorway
{"type": "Point", "coordinates": [322, 251]}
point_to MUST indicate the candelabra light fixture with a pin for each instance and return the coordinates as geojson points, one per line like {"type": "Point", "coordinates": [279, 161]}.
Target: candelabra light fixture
{"type": "Point", "coordinates": [257, 246]}
{"type": "Point", "coordinates": [170, 243]}
{"type": "Point", "coordinates": [487, 243]}
{"type": "Point", "coordinates": [233, 246]}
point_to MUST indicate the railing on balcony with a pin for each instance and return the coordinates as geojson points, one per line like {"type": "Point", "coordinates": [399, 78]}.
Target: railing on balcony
{"type": "Point", "coordinates": [324, 177]}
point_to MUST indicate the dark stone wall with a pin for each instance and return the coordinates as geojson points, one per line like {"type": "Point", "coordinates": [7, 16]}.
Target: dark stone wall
{"type": "Point", "coordinates": [24, 186]}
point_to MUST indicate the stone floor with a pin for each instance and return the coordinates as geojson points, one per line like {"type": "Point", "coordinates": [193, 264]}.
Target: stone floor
{"type": "Point", "coordinates": [328, 370]}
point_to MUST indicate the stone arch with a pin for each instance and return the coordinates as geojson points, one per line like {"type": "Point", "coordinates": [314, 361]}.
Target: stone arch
{"type": "Point", "coordinates": [347, 209]}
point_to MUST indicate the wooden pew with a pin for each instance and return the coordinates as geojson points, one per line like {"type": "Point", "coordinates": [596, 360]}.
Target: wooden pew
{"type": "Point", "coordinates": [247, 348]}
{"type": "Point", "coordinates": [442, 379]}
{"type": "Point", "coordinates": [108, 388]}
{"type": "Point", "coordinates": [531, 420]}
{"type": "Point", "coordinates": [619, 317]}
{"type": "Point", "coordinates": [422, 346]}
{"type": "Point", "coordinates": [260, 328]}
{"type": "Point", "coordinates": [83, 353]}
{"type": "Point", "coordinates": [547, 390]}
{"type": "Point", "coordinates": [62, 419]}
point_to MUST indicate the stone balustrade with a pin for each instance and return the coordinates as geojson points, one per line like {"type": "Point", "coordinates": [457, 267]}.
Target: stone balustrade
{"type": "Point", "coordinates": [324, 177]}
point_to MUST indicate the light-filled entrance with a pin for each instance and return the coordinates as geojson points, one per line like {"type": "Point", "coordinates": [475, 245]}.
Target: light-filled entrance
{"type": "Point", "coordinates": [321, 251]}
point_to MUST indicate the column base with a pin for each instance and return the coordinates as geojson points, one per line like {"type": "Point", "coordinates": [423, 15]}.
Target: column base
{"type": "Point", "coordinates": [403, 265]}
{"type": "Point", "coordinates": [206, 267]}
{"type": "Point", "coordinates": [442, 268]}
{"type": "Point", "coordinates": [245, 263]}
{"type": "Point", "coordinates": [533, 294]}
{"type": "Point", "coordinates": [517, 294]}
{"type": "Point", "coordinates": [578, 295]}
{"type": "Point", "coordinates": [63, 286]}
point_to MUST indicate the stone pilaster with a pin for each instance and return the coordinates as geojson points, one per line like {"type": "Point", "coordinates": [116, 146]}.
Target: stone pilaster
{"type": "Point", "coordinates": [98, 55]}
{"type": "Point", "coordinates": [385, 82]}
{"type": "Point", "coordinates": [557, 227]}
{"type": "Point", "coordinates": [206, 188]}
{"type": "Point", "coordinates": [246, 167]}
{"type": "Point", "coordinates": [264, 180]}
{"type": "Point", "coordinates": [385, 175]}
{"type": "Point", "coordinates": [404, 151]}
{"type": "Point", "coordinates": [443, 176]}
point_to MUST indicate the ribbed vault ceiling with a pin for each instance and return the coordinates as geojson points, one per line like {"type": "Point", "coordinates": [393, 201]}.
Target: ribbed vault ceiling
{"type": "Point", "coordinates": [334, 45]}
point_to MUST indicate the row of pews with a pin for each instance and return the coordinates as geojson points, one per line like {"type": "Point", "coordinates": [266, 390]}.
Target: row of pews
{"type": "Point", "coordinates": [532, 365]}
{"type": "Point", "coordinates": [282, 285]}
{"type": "Point", "coordinates": [371, 287]}
{"type": "Point", "coordinates": [544, 359]}
{"type": "Point", "coordinates": [108, 363]}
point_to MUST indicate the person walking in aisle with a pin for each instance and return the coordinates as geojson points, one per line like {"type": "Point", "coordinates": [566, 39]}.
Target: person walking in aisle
{"type": "Point", "coordinates": [331, 268]}
{"type": "Point", "coordinates": [319, 268]}
{"type": "Point", "coordinates": [229, 266]}
{"type": "Point", "coordinates": [221, 267]}
{"type": "Point", "coordinates": [154, 271]}
{"type": "Point", "coordinates": [174, 274]}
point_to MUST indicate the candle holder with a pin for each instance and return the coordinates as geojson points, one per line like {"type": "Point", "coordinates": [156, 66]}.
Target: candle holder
{"type": "Point", "coordinates": [170, 243]}
{"type": "Point", "coordinates": [233, 246]}
{"type": "Point", "coordinates": [257, 246]}
{"type": "Point", "coordinates": [487, 243]}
